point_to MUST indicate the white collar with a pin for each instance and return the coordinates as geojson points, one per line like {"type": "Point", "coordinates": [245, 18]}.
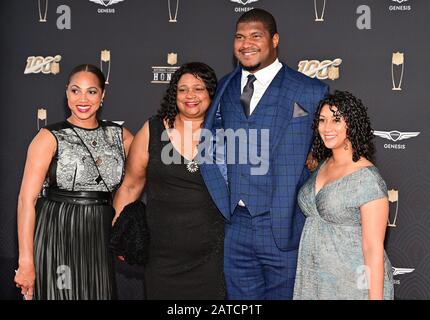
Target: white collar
{"type": "Point", "coordinates": [266, 74]}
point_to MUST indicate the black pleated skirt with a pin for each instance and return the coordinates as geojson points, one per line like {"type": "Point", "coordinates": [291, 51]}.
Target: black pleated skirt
{"type": "Point", "coordinates": [71, 249]}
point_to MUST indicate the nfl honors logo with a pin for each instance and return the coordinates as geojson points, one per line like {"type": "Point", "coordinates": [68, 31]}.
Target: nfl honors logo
{"type": "Point", "coordinates": [172, 58]}
{"type": "Point", "coordinates": [163, 74]}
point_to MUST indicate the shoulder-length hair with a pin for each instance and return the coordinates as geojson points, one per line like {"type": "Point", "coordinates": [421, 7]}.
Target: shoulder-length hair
{"type": "Point", "coordinates": [358, 127]}
{"type": "Point", "coordinates": [169, 109]}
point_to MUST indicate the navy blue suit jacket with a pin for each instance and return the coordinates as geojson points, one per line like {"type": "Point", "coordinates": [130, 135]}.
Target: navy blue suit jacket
{"type": "Point", "coordinates": [289, 147]}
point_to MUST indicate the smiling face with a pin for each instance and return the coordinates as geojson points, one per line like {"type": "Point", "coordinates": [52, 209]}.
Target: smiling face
{"type": "Point", "coordinates": [192, 97]}
{"type": "Point", "coordinates": [254, 47]}
{"type": "Point", "coordinates": [332, 128]}
{"type": "Point", "coordinates": [84, 95]}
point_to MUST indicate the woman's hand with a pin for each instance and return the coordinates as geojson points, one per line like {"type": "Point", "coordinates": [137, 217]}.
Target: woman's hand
{"type": "Point", "coordinates": [135, 173]}
{"type": "Point", "coordinates": [24, 279]}
{"type": "Point", "coordinates": [39, 156]}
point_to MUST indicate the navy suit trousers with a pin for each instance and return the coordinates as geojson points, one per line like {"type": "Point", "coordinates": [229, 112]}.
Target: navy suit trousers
{"type": "Point", "coordinates": [255, 268]}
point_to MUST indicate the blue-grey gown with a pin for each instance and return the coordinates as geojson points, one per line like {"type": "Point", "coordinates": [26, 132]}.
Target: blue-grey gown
{"type": "Point", "coordinates": [330, 262]}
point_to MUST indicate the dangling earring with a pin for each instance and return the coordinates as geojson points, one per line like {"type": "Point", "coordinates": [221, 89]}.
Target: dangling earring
{"type": "Point", "coordinates": [101, 103]}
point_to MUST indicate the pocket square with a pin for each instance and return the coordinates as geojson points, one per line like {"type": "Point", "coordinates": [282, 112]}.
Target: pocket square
{"type": "Point", "coordinates": [299, 111]}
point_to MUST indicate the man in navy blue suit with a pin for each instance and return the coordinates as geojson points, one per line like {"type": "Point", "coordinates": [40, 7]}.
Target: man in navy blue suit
{"type": "Point", "coordinates": [274, 106]}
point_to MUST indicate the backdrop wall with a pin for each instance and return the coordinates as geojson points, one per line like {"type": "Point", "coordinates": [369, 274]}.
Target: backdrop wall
{"type": "Point", "coordinates": [377, 49]}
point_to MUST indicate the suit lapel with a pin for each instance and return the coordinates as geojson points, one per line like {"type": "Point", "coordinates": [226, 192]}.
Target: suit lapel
{"type": "Point", "coordinates": [234, 97]}
{"type": "Point", "coordinates": [211, 172]}
{"type": "Point", "coordinates": [215, 105]}
{"type": "Point", "coordinates": [290, 92]}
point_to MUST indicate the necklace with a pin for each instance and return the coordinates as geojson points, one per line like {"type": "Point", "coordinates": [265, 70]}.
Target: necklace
{"type": "Point", "coordinates": [192, 166]}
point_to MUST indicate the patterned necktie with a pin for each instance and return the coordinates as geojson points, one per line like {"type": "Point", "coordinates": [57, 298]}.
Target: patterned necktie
{"type": "Point", "coordinates": [248, 90]}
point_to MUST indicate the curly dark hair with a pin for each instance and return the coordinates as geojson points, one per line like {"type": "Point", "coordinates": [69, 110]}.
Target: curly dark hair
{"type": "Point", "coordinates": [169, 109]}
{"type": "Point", "coordinates": [358, 127]}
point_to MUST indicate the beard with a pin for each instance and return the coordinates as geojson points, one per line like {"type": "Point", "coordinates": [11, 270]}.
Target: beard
{"type": "Point", "coordinates": [251, 68]}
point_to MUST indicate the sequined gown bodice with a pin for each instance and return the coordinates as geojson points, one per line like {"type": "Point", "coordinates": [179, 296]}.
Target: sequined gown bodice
{"type": "Point", "coordinates": [87, 159]}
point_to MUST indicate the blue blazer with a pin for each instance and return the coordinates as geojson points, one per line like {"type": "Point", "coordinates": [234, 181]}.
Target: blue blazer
{"type": "Point", "coordinates": [291, 138]}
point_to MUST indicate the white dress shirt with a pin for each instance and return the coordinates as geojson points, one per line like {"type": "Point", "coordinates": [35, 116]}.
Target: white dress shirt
{"type": "Point", "coordinates": [264, 78]}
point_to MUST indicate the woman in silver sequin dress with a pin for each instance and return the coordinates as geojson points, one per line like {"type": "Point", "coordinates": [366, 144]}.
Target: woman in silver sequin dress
{"type": "Point", "coordinates": [63, 235]}
{"type": "Point", "coordinates": [341, 253]}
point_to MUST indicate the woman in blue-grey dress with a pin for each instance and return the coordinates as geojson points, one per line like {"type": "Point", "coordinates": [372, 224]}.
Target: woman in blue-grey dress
{"type": "Point", "coordinates": [341, 254]}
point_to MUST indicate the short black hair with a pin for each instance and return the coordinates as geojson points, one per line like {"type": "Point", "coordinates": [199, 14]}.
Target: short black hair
{"type": "Point", "coordinates": [260, 15]}
{"type": "Point", "coordinates": [89, 68]}
{"type": "Point", "coordinates": [358, 126]}
{"type": "Point", "coordinates": [169, 109]}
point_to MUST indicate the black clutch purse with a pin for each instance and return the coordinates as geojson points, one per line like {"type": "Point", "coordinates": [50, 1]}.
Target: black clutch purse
{"type": "Point", "coordinates": [130, 235]}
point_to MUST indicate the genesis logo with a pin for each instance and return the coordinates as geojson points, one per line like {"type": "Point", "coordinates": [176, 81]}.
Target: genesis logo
{"type": "Point", "coordinates": [106, 3]}
{"type": "Point", "coordinates": [395, 136]}
{"type": "Point", "coordinates": [399, 271]}
{"type": "Point", "coordinates": [244, 2]}
{"type": "Point", "coordinates": [399, 6]}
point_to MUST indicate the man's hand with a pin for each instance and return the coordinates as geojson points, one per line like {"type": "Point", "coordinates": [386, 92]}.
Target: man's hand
{"type": "Point", "coordinates": [311, 162]}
